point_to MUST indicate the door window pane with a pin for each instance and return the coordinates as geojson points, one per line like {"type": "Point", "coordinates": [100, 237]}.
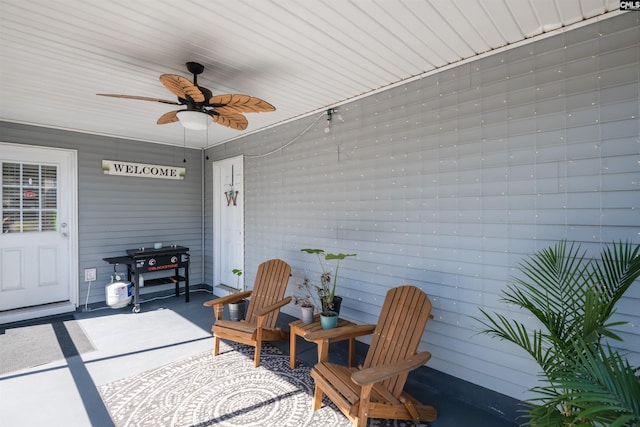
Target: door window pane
{"type": "Point", "coordinates": [29, 198]}
{"type": "Point", "coordinates": [29, 221]}
{"type": "Point", "coordinates": [49, 221]}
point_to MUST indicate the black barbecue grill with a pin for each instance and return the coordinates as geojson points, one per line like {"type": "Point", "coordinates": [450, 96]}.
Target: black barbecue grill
{"type": "Point", "coordinates": [145, 260]}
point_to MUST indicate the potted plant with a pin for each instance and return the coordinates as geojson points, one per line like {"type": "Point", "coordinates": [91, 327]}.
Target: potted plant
{"type": "Point", "coordinates": [584, 381]}
{"type": "Point", "coordinates": [329, 302]}
{"type": "Point", "coordinates": [236, 309]}
{"type": "Point", "coordinates": [305, 302]}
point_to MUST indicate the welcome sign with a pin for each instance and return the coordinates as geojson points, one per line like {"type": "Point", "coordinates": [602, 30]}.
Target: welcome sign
{"type": "Point", "coordinates": [142, 170]}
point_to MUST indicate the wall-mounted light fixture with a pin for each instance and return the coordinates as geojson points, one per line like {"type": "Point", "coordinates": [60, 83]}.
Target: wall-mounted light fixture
{"type": "Point", "coordinates": [331, 113]}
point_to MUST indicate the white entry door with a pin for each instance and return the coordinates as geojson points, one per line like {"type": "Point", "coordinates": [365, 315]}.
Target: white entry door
{"type": "Point", "coordinates": [228, 227]}
{"type": "Point", "coordinates": [38, 242]}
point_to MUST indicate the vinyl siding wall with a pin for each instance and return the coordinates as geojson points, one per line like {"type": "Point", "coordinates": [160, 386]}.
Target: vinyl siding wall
{"type": "Point", "coordinates": [450, 181]}
{"type": "Point", "coordinates": [118, 213]}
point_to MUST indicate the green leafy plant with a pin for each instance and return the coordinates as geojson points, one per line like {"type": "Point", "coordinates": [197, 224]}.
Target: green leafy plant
{"type": "Point", "coordinates": [584, 381]}
{"type": "Point", "coordinates": [238, 273]}
{"type": "Point", "coordinates": [327, 289]}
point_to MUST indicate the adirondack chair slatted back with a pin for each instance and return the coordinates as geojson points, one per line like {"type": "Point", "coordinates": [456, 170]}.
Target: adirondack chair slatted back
{"type": "Point", "coordinates": [269, 287]}
{"type": "Point", "coordinates": [398, 332]}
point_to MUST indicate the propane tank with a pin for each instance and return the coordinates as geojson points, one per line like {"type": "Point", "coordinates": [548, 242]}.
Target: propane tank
{"type": "Point", "coordinates": [118, 293]}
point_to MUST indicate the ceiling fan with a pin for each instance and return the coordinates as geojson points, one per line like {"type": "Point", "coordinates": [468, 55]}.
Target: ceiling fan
{"type": "Point", "coordinates": [201, 105]}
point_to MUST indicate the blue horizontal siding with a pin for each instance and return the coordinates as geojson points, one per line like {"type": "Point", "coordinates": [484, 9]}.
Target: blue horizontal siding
{"type": "Point", "coordinates": [450, 181]}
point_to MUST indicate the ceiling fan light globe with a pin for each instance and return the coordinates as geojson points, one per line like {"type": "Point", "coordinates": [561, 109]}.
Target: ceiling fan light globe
{"type": "Point", "coordinates": [194, 120]}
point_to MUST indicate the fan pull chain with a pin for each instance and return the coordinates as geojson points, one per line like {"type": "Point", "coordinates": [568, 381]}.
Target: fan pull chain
{"type": "Point", "coordinates": [184, 145]}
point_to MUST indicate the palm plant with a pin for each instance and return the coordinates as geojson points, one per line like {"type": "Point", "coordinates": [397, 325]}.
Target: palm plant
{"type": "Point", "coordinates": [585, 382]}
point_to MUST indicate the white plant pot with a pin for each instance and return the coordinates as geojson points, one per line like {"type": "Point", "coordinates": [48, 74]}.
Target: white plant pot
{"type": "Point", "coordinates": [307, 314]}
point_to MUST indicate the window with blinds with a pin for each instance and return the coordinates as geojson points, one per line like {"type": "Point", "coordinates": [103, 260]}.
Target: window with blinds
{"type": "Point", "coordinates": [29, 198]}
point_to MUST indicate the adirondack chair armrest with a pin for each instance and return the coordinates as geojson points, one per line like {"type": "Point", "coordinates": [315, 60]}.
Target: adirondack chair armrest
{"type": "Point", "coordinates": [268, 309]}
{"type": "Point", "coordinates": [381, 372]}
{"type": "Point", "coordinates": [341, 333]}
{"type": "Point", "coordinates": [229, 299]}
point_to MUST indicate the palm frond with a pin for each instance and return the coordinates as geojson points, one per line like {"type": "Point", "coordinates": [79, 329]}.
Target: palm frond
{"type": "Point", "coordinates": [620, 267]}
{"type": "Point", "coordinates": [597, 385]}
{"type": "Point", "coordinates": [515, 332]}
{"type": "Point", "coordinates": [557, 277]}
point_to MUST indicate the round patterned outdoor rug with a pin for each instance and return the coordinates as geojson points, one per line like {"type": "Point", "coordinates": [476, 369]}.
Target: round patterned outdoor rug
{"type": "Point", "coordinates": [225, 390]}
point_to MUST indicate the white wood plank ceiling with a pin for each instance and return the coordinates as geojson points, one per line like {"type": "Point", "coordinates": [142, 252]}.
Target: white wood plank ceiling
{"type": "Point", "coordinates": [301, 56]}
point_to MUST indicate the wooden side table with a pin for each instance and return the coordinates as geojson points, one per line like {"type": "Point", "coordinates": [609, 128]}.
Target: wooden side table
{"type": "Point", "coordinates": [299, 328]}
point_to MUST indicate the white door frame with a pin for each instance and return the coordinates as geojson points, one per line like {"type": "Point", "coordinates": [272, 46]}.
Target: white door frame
{"type": "Point", "coordinates": [222, 170]}
{"type": "Point", "coordinates": [71, 228]}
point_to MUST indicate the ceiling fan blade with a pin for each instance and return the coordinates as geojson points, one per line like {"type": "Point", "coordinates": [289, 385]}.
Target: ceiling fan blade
{"type": "Point", "coordinates": [141, 98]}
{"type": "Point", "coordinates": [233, 120]}
{"type": "Point", "coordinates": [182, 87]}
{"type": "Point", "coordinates": [240, 104]}
{"type": "Point", "coordinates": [170, 117]}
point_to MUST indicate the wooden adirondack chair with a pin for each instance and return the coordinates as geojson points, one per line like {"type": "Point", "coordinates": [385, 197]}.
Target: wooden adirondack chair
{"type": "Point", "coordinates": [375, 390]}
{"type": "Point", "coordinates": [266, 299]}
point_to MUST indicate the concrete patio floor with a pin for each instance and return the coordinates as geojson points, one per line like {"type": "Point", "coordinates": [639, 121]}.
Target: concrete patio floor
{"type": "Point", "coordinates": [65, 392]}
